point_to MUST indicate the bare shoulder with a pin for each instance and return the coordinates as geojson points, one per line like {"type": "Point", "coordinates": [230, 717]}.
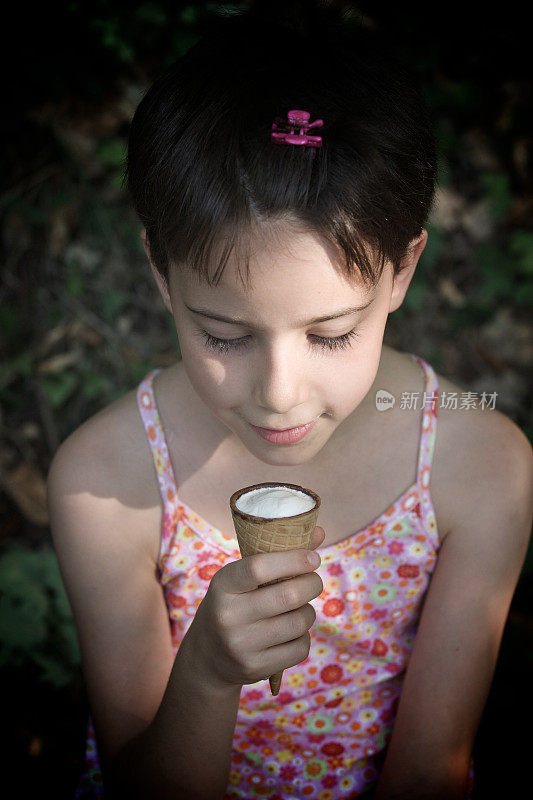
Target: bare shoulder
{"type": "Point", "coordinates": [483, 464]}
{"type": "Point", "coordinates": [107, 462]}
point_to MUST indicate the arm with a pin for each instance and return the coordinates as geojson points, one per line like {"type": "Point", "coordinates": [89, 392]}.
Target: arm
{"type": "Point", "coordinates": [454, 656]}
{"type": "Point", "coordinates": [186, 751]}
{"type": "Point", "coordinates": [164, 729]}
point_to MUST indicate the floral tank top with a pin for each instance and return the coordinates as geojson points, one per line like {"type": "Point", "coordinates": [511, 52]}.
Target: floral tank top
{"type": "Point", "coordinates": [324, 736]}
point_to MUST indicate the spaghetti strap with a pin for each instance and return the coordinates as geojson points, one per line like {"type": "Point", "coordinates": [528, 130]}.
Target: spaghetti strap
{"type": "Point", "coordinates": [159, 449]}
{"type": "Point", "coordinates": [429, 404]}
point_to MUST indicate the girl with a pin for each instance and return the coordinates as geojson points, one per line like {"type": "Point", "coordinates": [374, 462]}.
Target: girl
{"type": "Point", "coordinates": [280, 247]}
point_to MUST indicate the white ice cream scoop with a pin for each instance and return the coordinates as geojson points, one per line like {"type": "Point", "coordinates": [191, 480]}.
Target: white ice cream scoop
{"type": "Point", "coordinates": [275, 502]}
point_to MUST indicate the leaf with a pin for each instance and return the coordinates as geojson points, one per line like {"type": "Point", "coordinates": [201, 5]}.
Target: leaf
{"type": "Point", "coordinates": [59, 388]}
{"type": "Point", "coordinates": [498, 194]}
{"type": "Point", "coordinates": [521, 250]}
{"type": "Point", "coordinates": [94, 385]}
{"type": "Point", "coordinates": [434, 246]}
{"type": "Point", "coordinates": [22, 621]}
{"type": "Point", "coordinates": [75, 281]}
{"type": "Point", "coordinates": [138, 369]}
{"type": "Point", "coordinates": [53, 670]}
{"type": "Point", "coordinates": [20, 573]}
{"type": "Point", "coordinates": [415, 296]}
{"type": "Point", "coordinates": [9, 322]}
{"type": "Point", "coordinates": [524, 297]}
{"type": "Point", "coordinates": [20, 366]}
{"type": "Point", "coordinates": [50, 575]}
{"type": "Point", "coordinates": [112, 152]}
{"type": "Point", "coordinates": [112, 39]}
{"type": "Point", "coordinates": [497, 281]}
{"type": "Point", "coordinates": [467, 316]}
{"type": "Point", "coordinates": [113, 302]}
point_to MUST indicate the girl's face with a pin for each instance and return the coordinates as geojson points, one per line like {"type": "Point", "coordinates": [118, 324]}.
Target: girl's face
{"type": "Point", "coordinates": [267, 355]}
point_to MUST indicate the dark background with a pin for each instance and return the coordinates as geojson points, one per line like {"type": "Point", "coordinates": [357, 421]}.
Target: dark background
{"type": "Point", "coordinates": [81, 322]}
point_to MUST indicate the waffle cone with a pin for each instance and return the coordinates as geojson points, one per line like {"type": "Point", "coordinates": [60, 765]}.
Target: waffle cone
{"type": "Point", "coordinates": [272, 535]}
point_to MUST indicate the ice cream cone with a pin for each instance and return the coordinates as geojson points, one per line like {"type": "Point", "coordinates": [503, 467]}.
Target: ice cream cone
{"type": "Point", "coordinates": [271, 535]}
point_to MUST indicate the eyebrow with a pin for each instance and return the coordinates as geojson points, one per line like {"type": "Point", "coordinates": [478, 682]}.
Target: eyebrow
{"type": "Point", "coordinates": [344, 312]}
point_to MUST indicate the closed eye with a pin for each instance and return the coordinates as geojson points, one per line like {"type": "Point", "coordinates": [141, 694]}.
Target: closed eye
{"type": "Point", "coordinates": [324, 342]}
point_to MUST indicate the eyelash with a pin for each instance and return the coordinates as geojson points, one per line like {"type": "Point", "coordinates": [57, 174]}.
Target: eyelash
{"type": "Point", "coordinates": [325, 342]}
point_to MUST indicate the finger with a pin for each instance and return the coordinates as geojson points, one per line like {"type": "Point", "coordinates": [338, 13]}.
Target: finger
{"type": "Point", "coordinates": [283, 656]}
{"type": "Point", "coordinates": [282, 628]}
{"type": "Point", "coordinates": [283, 597]}
{"type": "Point", "coordinates": [247, 574]}
{"type": "Point", "coordinates": [319, 534]}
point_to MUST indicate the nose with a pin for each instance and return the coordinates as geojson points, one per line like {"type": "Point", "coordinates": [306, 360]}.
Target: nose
{"type": "Point", "coordinates": [281, 379]}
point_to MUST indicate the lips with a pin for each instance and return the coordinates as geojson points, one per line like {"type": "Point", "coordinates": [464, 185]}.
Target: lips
{"type": "Point", "coordinates": [286, 436]}
{"type": "Point", "coordinates": [282, 430]}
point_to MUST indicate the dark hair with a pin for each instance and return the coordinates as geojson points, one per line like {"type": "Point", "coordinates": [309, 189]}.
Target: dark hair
{"type": "Point", "coordinates": [203, 172]}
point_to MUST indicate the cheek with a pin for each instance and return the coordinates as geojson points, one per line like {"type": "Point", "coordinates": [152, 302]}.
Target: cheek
{"type": "Point", "coordinates": [348, 387]}
{"type": "Point", "coordinates": [214, 382]}
{"type": "Point", "coordinates": [207, 375]}
{"type": "Point", "coordinates": [350, 384]}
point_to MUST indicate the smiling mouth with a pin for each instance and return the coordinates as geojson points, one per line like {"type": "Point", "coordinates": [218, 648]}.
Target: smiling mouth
{"type": "Point", "coordinates": [285, 430]}
{"type": "Point", "coordinates": [288, 436]}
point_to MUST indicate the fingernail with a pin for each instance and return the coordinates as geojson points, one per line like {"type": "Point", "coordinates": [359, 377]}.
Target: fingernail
{"type": "Point", "coordinates": [314, 559]}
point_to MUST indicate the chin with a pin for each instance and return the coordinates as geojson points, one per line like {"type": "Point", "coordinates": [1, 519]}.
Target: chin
{"type": "Point", "coordinates": [293, 455]}
{"type": "Point", "coordinates": [283, 459]}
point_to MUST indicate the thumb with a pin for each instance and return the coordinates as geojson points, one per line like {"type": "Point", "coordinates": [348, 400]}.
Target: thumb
{"type": "Point", "coordinates": [319, 534]}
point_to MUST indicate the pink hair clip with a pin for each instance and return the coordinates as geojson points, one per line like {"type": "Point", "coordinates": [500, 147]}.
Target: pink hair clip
{"type": "Point", "coordinates": [296, 119]}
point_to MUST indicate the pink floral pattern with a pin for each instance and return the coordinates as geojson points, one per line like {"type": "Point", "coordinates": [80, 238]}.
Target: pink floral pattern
{"type": "Point", "coordinates": [324, 736]}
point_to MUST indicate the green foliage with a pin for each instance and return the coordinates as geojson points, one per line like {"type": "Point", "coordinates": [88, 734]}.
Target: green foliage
{"type": "Point", "coordinates": [497, 191]}
{"type": "Point", "coordinates": [9, 323]}
{"type": "Point", "coordinates": [497, 281]}
{"type": "Point", "coordinates": [416, 295]}
{"type": "Point", "coordinates": [125, 32]}
{"type": "Point", "coordinates": [20, 366]}
{"type": "Point", "coordinates": [102, 221]}
{"type": "Point", "coordinates": [138, 369]}
{"type": "Point", "coordinates": [112, 154]}
{"type": "Point", "coordinates": [507, 271]}
{"type": "Point", "coordinates": [447, 143]}
{"type": "Point", "coordinates": [435, 245]}
{"type": "Point", "coordinates": [94, 385]}
{"type": "Point", "coordinates": [111, 35]}
{"type": "Point", "coordinates": [464, 95]}
{"type": "Point", "coordinates": [521, 251]}
{"type": "Point", "coordinates": [60, 387]}
{"type": "Point", "coordinates": [114, 301]}
{"type": "Point", "coordinates": [466, 316]}
{"type": "Point", "coordinates": [36, 625]}
{"type": "Point", "coordinates": [74, 279]}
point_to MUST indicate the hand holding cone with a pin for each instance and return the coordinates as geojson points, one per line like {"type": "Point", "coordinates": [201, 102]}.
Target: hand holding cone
{"type": "Point", "coordinates": [275, 534]}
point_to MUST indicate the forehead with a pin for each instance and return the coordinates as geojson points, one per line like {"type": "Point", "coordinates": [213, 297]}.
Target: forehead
{"type": "Point", "coordinates": [278, 260]}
